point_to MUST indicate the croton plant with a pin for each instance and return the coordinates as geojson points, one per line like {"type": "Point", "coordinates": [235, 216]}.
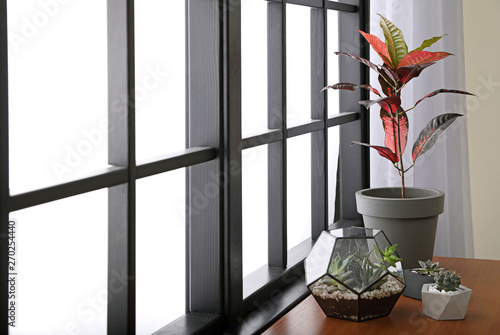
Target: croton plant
{"type": "Point", "coordinates": [398, 68]}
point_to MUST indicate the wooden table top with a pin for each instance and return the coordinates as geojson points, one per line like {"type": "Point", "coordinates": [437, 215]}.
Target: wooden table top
{"type": "Point", "coordinates": [482, 317]}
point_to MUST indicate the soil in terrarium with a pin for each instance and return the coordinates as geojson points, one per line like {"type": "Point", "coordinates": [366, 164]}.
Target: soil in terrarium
{"type": "Point", "coordinates": [345, 304]}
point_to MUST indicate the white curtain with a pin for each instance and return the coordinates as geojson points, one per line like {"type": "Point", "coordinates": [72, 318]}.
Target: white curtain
{"type": "Point", "coordinates": [446, 165]}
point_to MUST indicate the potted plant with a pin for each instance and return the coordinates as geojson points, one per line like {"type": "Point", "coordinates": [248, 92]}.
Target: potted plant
{"type": "Point", "coordinates": [417, 277]}
{"type": "Point", "coordinates": [354, 273]}
{"type": "Point", "coordinates": [446, 299]}
{"type": "Point", "coordinates": [407, 215]}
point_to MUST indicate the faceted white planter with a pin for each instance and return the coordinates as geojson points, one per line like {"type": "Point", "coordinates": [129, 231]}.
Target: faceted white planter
{"type": "Point", "coordinates": [410, 222]}
{"type": "Point", "coordinates": [445, 306]}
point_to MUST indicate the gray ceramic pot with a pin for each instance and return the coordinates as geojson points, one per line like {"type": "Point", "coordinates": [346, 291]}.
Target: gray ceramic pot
{"type": "Point", "coordinates": [410, 222]}
{"type": "Point", "coordinates": [414, 283]}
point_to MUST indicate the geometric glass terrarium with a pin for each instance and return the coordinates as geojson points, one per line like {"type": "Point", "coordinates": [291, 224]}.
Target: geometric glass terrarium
{"type": "Point", "coordinates": [353, 273]}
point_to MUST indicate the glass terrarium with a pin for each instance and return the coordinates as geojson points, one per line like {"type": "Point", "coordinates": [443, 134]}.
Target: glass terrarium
{"type": "Point", "coordinates": [354, 273]}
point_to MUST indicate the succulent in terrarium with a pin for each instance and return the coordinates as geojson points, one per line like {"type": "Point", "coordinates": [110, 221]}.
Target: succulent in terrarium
{"type": "Point", "coordinates": [358, 272]}
{"type": "Point", "coordinates": [428, 268]}
{"type": "Point", "coordinates": [387, 255]}
{"type": "Point", "coordinates": [365, 274]}
{"type": "Point", "coordinates": [338, 268]}
{"type": "Point", "coordinates": [447, 280]}
{"type": "Point", "coordinates": [349, 278]}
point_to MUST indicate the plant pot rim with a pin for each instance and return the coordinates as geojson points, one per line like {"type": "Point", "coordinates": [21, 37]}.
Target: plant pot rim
{"type": "Point", "coordinates": [425, 288]}
{"type": "Point", "coordinates": [386, 202]}
{"type": "Point", "coordinates": [424, 193]}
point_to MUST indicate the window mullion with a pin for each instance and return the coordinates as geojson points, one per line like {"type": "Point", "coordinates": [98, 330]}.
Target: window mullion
{"type": "Point", "coordinates": [319, 139]}
{"type": "Point", "coordinates": [121, 152]}
{"type": "Point", "coordinates": [232, 173]}
{"type": "Point", "coordinates": [354, 161]}
{"type": "Point", "coordinates": [204, 245]}
{"type": "Point", "coordinates": [277, 210]}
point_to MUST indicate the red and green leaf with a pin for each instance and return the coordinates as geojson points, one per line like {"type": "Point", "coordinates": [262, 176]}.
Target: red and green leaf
{"type": "Point", "coordinates": [390, 127]}
{"type": "Point", "coordinates": [370, 88]}
{"type": "Point", "coordinates": [385, 71]}
{"type": "Point", "coordinates": [429, 135]}
{"type": "Point", "coordinates": [379, 47]}
{"type": "Point", "coordinates": [428, 43]}
{"type": "Point", "coordinates": [386, 86]}
{"type": "Point", "coordinates": [390, 104]}
{"type": "Point", "coordinates": [362, 60]}
{"type": "Point", "coordinates": [383, 151]}
{"type": "Point", "coordinates": [407, 73]}
{"type": "Point", "coordinates": [436, 92]}
{"type": "Point", "coordinates": [389, 73]}
{"type": "Point", "coordinates": [351, 87]}
{"type": "Point", "coordinates": [422, 57]}
{"type": "Point", "coordinates": [395, 41]}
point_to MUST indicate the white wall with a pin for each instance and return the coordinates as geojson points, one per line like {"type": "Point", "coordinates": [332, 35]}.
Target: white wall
{"type": "Point", "coordinates": [482, 56]}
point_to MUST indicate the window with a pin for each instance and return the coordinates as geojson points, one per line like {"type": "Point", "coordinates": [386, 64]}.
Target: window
{"type": "Point", "coordinates": [218, 296]}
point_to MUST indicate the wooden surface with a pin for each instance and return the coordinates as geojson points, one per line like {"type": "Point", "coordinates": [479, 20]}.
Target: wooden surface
{"type": "Point", "coordinates": [483, 313]}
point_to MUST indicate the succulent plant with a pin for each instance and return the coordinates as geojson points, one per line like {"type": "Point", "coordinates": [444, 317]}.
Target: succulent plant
{"type": "Point", "coordinates": [428, 268]}
{"type": "Point", "coordinates": [387, 255]}
{"type": "Point", "coordinates": [338, 269]}
{"type": "Point", "coordinates": [357, 271]}
{"type": "Point", "coordinates": [447, 280]}
{"type": "Point", "coordinates": [338, 266]}
{"type": "Point", "coordinates": [365, 274]}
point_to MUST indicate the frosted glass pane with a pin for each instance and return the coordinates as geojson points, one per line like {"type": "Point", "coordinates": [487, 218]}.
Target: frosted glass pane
{"type": "Point", "coordinates": [299, 189]}
{"type": "Point", "coordinates": [253, 66]}
{"type": "Point", "coordinates": [255, 209]}
{"type": "Point", "coordinates": [57, 91]}
{"type": "Point", "coordinates": [161, 250]}
{"type": "Point", "coordinates": [333, 60]}
{"type": "Point", "coordinates": [298, 57]}
{"type": "Point", "coordinates": [160, 73]}
{"type": "Point", "coordinates": [62, 266]}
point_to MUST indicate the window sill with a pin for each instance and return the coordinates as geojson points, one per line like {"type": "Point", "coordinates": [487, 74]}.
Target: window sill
{"type": "Point", "coordinates": [269, 293]}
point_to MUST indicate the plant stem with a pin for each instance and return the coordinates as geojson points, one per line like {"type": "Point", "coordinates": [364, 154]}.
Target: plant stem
{"type": "Point", "coordinates": [403, 195]}
{"type": "Point", "coordinates": [400, 152]}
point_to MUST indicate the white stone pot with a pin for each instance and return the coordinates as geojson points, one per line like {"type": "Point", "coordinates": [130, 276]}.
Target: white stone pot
{"type": "Point", "coordinates": [410, 222]}
{"type": "Point", "coordinates": [445, 306]}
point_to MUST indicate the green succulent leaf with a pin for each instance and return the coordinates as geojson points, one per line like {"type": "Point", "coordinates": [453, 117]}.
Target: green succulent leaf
{"type": "Point", "coordinates": [395, 41]}
{"type": "Point", "coordinates": [428, 43]}
{"type": "Point", "coordinates": [392, 249]}
{"type": "Point", "coordinates": [378, 252]}
{"type": "Point", "coordinates": [391, 261]}
{"type": "Point", "coordinates": [388, 254]}
{"type": "Point", "coordinates": [395, 258]}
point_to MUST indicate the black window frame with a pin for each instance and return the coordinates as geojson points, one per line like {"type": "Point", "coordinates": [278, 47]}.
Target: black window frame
{"type": "Point", "coordinates": [218, 298]}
